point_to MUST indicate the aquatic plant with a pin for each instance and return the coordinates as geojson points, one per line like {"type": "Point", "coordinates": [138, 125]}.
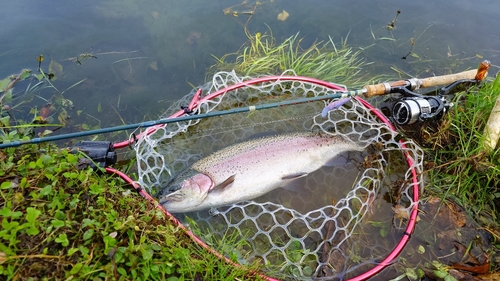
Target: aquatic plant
{"type": "Point", "coordinates": [323, 60]}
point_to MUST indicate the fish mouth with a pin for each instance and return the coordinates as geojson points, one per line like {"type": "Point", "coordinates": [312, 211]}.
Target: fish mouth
{"type": "Point", "coordinates": [172, 197]}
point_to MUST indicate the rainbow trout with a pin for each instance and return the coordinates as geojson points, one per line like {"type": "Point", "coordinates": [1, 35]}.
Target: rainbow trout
{"type": "Point", "coordinates": [250, 169]}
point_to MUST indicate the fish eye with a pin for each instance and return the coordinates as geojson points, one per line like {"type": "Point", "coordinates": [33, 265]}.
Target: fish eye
{"type": "Point", "coordinates": [173, 188]}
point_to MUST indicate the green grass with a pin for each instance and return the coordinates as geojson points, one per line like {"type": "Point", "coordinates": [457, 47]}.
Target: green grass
{"type": "Point", "coordinates": [461, 167]}
{"type": "Point", "coordinates": [59, 222]}
{"type": "Point", "coordinates": [262, 55]}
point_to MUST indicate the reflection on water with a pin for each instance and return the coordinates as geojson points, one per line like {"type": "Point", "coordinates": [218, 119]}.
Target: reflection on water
{"type": "Point", "coordinates": [156, 50]}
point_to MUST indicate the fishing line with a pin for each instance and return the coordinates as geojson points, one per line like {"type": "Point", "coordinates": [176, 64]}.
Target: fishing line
{"type": "Point", "coordinates": [221, 130]}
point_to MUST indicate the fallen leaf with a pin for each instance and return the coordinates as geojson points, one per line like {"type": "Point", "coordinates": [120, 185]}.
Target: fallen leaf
{"type": "Point", "coordinates": [446, 213]}
{"type": "Point", "coordinates": [400, 212]}
{"type": "Point", "coordinates": [153, 65]}
{"type": "Point", "coordinates": [193, 38]}
{"type": "Point", "coordinates": [467, 257]}
{"type": "Point", "coordinates": [481, 269]}
{"type": "Point", "coordinates": [283, 16]}
{"type": "Point", "coordinates": [458, 275]}
{"type": "Point", "coordinates": [492, 277]}
{"type": "Point", "coordinates": [45, 111]}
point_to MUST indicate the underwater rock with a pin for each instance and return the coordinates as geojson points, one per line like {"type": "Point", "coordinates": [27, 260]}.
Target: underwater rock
{"type": "Point", "coordinates": [193, 38]}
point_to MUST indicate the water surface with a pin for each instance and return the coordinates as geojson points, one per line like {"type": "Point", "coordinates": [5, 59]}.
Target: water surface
{"type": "Point", "coordinates": [149, 53]}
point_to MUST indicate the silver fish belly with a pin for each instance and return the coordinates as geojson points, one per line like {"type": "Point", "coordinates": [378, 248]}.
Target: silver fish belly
{"type": "Point", "coordinates": [250, 169]}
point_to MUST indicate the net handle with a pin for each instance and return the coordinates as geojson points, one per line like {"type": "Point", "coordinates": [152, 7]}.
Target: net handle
{"type": "Point", "coordinates": [384, 88]}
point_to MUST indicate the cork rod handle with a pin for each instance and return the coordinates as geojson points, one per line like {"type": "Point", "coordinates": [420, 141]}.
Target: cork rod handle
{"type": "Point", "coordinates": [479, 74]}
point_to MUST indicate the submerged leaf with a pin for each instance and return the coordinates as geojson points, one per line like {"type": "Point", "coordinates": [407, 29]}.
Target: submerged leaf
{"type": "Point", "coordinates": [26, 73]}
{"type": "Point", "coordinates": [62, 117]}
{"type": "Point", "coordinates": [46, 132]}
{"type": "Point", "coordinates": [440, 273]}
{"type": "Point", "coordinates": [7, 97]}
{"type": "Point", "coordinates": [153, 65]}
{"type": "Point", "coordinates": [39, 76]}
{"type": "Point", "coordinates": [55, 68]}
{"type": "Point", "coordinates": [45, 111]}
{"type": "Point", "coordinates": [411, 274]}
{"type": "Point", "coordinates": [421, 249]}
{"type": "Point", "coordinates": [415, 55]}
{"type": "Point", "coordinates": [67, 102]}
{"type": "Point", "coordinates": [283, 16]}
{"type": "Point", "coordinates": [4, 83]}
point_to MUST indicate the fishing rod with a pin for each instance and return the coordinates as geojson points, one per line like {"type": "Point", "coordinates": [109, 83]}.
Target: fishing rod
{"type": "Point", "coordinates": [148, 124]}
{"type": "Point", "coordinates": [413, 105]}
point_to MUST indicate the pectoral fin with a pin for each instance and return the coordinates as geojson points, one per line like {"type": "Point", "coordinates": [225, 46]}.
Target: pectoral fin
{"type": "Point", "coordinates": [222, 186]}
{"type": "Point", "coordinates": [293, 176]}
{"type": "Point", "coordinates": [294, 182]}
{"type": "Point", "coordinates": [339, 160]}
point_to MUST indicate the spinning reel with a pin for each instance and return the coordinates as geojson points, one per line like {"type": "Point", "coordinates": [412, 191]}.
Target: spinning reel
{"type": "Point", "coordinates": [412, 107]}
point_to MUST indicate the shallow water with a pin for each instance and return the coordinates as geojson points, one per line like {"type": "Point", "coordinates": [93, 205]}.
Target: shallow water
{"type": "Point", "coordinates": [149, 53]}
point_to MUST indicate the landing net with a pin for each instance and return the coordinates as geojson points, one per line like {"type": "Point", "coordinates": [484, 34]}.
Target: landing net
{"type": "Point", "coordinates": [345, 222]}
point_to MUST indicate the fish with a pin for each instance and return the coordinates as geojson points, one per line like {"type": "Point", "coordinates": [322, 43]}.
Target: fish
{"type": "Point", "coordinates": [250, 169]}
{"type": "Point", "coordinates": [334, 105]}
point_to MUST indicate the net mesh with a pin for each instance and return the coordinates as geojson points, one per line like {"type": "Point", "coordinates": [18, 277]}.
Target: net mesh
{"type": "Point", "coordinates": [342, 221]}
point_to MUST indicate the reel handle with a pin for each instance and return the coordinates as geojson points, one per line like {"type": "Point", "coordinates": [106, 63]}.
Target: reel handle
{"type": "Point", "coordinates": [385, 88]}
